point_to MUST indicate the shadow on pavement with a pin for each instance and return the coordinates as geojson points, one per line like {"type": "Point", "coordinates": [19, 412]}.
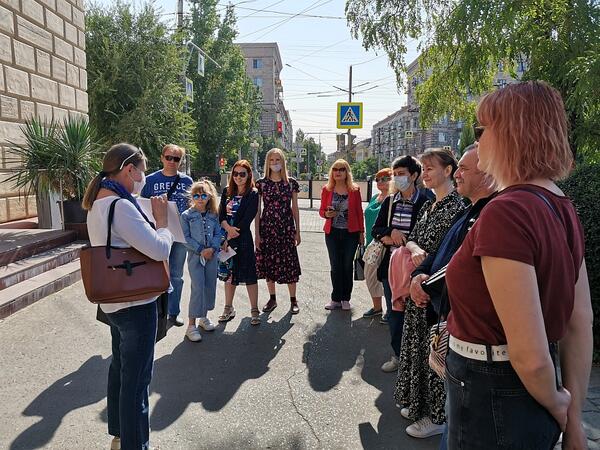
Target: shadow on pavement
{"type": "Point", "coordinates": [340, 345]}
{"type": "Point", "coordinates": [85, 386]}
{"type": "Point", "coordinates": [211, 372]}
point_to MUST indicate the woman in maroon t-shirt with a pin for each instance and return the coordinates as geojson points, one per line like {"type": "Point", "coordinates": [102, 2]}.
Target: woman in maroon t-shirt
{"type": "Point", "coordinates": [518, 285]}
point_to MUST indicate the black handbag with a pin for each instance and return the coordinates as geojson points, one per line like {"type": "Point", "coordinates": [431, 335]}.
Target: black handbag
{"type": "Point", "coordinates": [359, 264]}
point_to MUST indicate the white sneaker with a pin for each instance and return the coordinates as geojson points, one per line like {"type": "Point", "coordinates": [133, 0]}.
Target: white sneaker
{"type": "Point", "coordinates": [206, 324]}
{"type": "Point", "coordinates": [193, 334]}
{"type": "Point", "coordinates": [391, 365]}
{"type": "Point", "coordinates": [404, 412]}
{"type": "Point", "coordinates": [424, 428]}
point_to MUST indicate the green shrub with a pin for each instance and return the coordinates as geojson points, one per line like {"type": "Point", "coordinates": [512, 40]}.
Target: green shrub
{"type": "Point", "coordinates": [583, 187]}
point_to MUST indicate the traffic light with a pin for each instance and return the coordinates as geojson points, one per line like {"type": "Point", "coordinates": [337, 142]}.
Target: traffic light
{"type": "Point", "coordinates": [222, 162]}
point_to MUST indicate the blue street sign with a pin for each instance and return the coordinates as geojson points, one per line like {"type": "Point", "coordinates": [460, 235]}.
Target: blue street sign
{"type": "Point", "coordinates": [349, 115]}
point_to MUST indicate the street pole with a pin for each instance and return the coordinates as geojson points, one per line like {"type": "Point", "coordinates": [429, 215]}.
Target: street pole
{"type": "Point", "coordinates": [349, 148]}
{"type": "Point", "coordinates": [179, 15]}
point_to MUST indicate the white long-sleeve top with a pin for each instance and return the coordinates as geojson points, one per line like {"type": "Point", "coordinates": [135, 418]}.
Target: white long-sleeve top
{"type": "Point", "coordinates": [129, 229]}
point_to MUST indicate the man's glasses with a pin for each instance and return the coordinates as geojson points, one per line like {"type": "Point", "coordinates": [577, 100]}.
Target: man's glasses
{"type": "Point", "coordinates": [478, 131]}
{"type": "Point", "coordinates": [339, 169]}
{"type": "Point", "coordinates": [129, 157]}
{"type": "Point", "coordinates": [202, 196]}
{"type": "Point", "coordinates": [383, 179]}
{"type": "Point", "coordinates": [172, 158]}
{"type": "Point", "coordinates": [239, 174]}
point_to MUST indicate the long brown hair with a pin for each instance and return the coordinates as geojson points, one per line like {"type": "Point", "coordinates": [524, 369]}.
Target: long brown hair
{"type": "Point", "coordinates": [232, 188]}
{"type": "Point", "coordinates": [116, 159]}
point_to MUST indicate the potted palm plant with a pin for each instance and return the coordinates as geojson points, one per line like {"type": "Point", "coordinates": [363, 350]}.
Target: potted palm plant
{"type": "Point", "coordinates": [61, 158]}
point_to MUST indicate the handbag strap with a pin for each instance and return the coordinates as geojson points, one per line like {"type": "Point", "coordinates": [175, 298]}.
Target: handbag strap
{"type": "Point", "coordinates": [389, 216]}
{"type": "Point", "coordinates": [173, 187]}
{"type": "Point", "coordinates": [111, 215]}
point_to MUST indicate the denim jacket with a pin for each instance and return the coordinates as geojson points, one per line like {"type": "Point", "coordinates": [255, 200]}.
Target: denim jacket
{"type": "Point", "coordinates": [201, 232]}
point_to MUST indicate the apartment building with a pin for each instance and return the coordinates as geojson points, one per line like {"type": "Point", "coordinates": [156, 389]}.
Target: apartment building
{"type": "Point", "coordinates": [263, 66]}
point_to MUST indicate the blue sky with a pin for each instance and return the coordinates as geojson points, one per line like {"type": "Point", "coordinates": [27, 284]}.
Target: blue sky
{"type": "Point", "coordinates": [319, 51]}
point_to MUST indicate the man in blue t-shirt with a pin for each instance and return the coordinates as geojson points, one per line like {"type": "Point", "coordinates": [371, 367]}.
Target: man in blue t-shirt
{"type": "Point", "coordinates": [176, 185]}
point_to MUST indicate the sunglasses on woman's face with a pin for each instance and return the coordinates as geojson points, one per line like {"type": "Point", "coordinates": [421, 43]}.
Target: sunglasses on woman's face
{"type": "Point", "coordinates": [202, 196]}
{"type": "Point", "coordinates": [339, 169]}
{"type": "Point", "coordinates": [172, 158]}
{"type": "Point", "coordinates": [383, 179]}
{"type": "Point", "coordinates": [478, 131]}
{"type": "Point", "coordinates": [239, 174]}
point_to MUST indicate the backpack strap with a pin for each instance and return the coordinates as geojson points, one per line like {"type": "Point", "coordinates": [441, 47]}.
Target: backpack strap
{"type": "Point", "coordinates": [171, 190]}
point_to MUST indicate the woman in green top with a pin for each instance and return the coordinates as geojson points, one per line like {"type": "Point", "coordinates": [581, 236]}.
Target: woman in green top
{"type": "Point", "coordinates": [383, 178]}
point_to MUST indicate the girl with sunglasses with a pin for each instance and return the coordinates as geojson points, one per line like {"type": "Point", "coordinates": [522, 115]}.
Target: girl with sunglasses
{"type": "Point", "coordinates": [202, 230]}
{"type": "Point", "coordinates": [341, 207]}
{"type": "Point", "coordinates": [237, 210]}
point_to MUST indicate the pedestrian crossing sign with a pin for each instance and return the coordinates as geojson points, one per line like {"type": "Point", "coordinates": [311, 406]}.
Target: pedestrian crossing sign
{"type": "Point", "coordinates": [349, 115]}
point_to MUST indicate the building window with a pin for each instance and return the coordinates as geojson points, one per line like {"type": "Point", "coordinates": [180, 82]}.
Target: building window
{"type": "Point", "coordinates": [258, 82]}
{"type": "Point", "coordinates": [501, 83]}
{"type": "Point", "coordinates": [257, 64]}
{"type": "Point", "coordinates": [441, 137]}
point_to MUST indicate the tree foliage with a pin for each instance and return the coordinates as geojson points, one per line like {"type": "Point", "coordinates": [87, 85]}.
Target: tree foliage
{"type": "Point", "coordinates": [226, 104]}
{"type": "Point", "coordinates": [363, 169]}
{"type": "Point", "coordinates": [462, 42]}
{"type": "Point", "coordinates": [134, 87]}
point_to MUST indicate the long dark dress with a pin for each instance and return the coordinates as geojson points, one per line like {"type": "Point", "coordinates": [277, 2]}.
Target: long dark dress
{"type": "Point", "coordinates": [277, 257]}
{"type": "Point", "coordinates": [244, 261]}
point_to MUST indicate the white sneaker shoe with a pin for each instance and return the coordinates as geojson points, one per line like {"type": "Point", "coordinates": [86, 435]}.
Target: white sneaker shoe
{"type": "Point", "coordinates": [391, 365]}
{"type": "Point", "coordinates": [404, 412]}
{"type": "Point", "coordinates": [206, 324]}
{"type": "Point", "coordinates": [193, 334]}
{"type": "Point", "coordinates": [424, 428]}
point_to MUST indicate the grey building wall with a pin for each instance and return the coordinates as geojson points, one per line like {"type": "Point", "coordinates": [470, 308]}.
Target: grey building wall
{"type": "Point", "coordinates": [42, 73]}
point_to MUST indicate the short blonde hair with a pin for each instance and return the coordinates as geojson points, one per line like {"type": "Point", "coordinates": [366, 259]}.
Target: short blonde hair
{"type": "Point", "coordinates": [531, 129]}
{"type": "Point", "coordinates": [173, 148]}
{"type": "Point", "coordinates": [349, 181]}
{"type": "Point", "coordinates": [207, 187]}
{"type": "Point", "coordinates": [276, 151]}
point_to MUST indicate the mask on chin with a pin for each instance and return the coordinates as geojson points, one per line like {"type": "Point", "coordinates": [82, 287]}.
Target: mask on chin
{"type": "Point", "coordinates": [402, 183]}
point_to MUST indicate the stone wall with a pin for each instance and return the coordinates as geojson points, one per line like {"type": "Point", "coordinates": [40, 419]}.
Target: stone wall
{"type": "Point", "coordinates": [42, 73]}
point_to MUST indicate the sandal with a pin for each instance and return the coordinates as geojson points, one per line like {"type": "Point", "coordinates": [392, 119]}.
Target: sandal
{"type": "Point", "coordinates": [255, 316]}
{"type": "Point", "coordinates": [228, 314]}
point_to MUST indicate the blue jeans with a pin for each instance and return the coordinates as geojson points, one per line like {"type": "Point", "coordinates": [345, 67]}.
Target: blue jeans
{"type": "Point", "coordinates": [204, 285]}
{"type": "Point", "coordinates": [176, 262]}
{"type": "Point", "coordinates": [395, 319]}
{"type": "Point", "coordinates": [133, 332]}
{"type": "Point", "coordinates": [488, 407]}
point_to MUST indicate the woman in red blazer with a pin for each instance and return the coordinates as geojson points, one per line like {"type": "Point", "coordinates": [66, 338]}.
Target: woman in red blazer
{"type": "Point", "coordinates": [341, 206]}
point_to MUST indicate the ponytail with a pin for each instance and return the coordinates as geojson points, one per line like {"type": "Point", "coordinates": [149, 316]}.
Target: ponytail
{"type": "Point", "coordinates": [91, 192]}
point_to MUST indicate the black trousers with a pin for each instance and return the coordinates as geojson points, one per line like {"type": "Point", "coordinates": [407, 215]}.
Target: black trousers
{"type": "Point", "coordinates": [341, 246]}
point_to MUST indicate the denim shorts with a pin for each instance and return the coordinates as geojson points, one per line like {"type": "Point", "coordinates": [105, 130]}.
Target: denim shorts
{"type": "Point", "coordinates": [489, 408]}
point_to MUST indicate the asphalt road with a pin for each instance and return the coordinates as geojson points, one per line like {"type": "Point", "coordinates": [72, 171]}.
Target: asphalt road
{"type": "Point", "coordinates": [295, 382]}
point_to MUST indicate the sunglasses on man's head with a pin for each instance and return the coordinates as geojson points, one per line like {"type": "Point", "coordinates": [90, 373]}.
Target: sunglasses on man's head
{"type": "Point", "coordinates": [478, 131]}
{"type": "Point", "coordinates": [239, 174]}
{"type": "Point", "coordinates": [202, 196]}
{"type": "Point", "coordinates": [339, 169]}
{"type": "Point", "coordinates": [172, 158]}
{"type": "Point", "coordinates": [383, 179]}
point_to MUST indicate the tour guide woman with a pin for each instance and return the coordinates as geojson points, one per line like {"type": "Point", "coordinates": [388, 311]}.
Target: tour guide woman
{"type": "Point", "coordinates": [341, 206]}
{"type": "Point", "coordinates": [132, 324]}
{"type": "Point", "coordinates": [518, 284]}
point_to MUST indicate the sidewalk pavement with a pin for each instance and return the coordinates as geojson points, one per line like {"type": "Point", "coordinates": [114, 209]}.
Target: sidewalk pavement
{"type": "Point", "coordinates": [302, 382]}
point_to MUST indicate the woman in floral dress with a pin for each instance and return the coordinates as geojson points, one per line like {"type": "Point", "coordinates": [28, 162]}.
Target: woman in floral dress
{"type": "Point", "coordinates": [277, 229]}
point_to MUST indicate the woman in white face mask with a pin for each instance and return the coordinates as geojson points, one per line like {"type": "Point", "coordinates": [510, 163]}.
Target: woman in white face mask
{"type": "Point", "coordinates": [277, 229]}
{"type": "Point", "coordinates": [392, 227]}
{"type": "Point", "coordinates": [133, 324]}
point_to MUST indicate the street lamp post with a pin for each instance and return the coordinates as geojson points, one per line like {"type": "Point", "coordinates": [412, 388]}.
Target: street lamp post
{"type": "Point", "coordinates": [254, 146]}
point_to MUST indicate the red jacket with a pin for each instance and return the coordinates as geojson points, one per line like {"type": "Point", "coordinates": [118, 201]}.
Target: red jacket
{"type": "Point", "coordinates": [355, 212]}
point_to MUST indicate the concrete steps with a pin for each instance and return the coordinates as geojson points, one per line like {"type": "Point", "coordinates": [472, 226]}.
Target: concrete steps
{"type": "Point", "coordinates": [42, 263]}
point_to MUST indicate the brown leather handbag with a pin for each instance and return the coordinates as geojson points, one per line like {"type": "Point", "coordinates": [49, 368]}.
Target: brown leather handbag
{"type": "Point", "coordinates": [116, 275]}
